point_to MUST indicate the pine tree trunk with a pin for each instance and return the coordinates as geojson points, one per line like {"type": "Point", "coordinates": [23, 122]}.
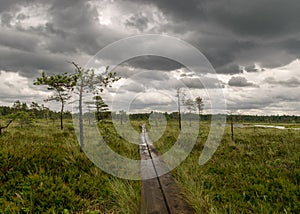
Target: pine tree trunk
{"type": "Point", "coordinates": [61, 116]}
{"type": "Point", "coordinates": [80, 119]}
{"type": "Point", "coordinates": [179, 113]}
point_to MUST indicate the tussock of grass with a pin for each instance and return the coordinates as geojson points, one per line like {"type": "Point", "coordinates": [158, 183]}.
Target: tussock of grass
{"type": "Point", "coordinates": [259, 172]}
{"type": "Point", "coordinates": [43, 171]}
{"type": "Point", "coordinates": [128, 196]}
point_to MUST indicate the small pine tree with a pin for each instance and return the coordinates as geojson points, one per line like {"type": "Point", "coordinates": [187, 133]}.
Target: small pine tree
{"type": "Point", "coordinates": [101, 108]}
{"type": "Point", "coordinates": [62, 85]}
{"type": "Point", "coordinates": [199, 104]}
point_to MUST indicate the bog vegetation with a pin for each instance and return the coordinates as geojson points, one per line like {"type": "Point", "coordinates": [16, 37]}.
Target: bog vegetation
{"type": "Point", "coordinates": [43, 170]}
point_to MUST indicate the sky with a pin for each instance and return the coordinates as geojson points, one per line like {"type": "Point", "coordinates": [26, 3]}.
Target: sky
{"type": "Point", "coordinates": [253, 47]}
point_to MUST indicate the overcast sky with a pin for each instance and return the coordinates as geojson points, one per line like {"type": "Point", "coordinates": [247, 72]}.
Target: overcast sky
{"type": "Point", "coordinates": [254, 47]}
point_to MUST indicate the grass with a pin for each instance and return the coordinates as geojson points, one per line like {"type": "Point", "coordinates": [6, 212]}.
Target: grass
{"type": "Point", "coordinates": [42, 171]}
{"type": "Point", "coordinates": [258, 172]}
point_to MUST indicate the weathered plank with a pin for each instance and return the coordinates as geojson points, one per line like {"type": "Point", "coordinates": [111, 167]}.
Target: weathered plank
{"type": "Point", "coordinates": [160, 194]}
{"type": "Point", "coordinates": [175, 199]}
{"type": "Point", "coordinates": [153, 200]}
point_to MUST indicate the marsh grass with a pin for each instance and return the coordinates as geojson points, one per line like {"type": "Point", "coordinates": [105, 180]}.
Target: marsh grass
{"type": "Point", "coordinates": [125, 141]}
{"type": "Point", "coordinates": [43, 171]}
{"type": "Point", "coordinates": [259, 172]}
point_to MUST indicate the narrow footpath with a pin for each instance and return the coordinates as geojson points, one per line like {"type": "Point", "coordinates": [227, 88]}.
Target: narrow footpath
{"type": "Point", "coordinates": [160, 194]}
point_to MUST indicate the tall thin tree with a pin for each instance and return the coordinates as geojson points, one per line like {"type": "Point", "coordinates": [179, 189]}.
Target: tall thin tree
{"type": "Point", "coordinates": [90, 82]}
{"type": "Point", "coordinates": [179, 107]}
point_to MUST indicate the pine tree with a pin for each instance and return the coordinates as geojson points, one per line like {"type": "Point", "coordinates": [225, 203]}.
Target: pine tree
{"type": "Point", "coordinates": [62, 85]}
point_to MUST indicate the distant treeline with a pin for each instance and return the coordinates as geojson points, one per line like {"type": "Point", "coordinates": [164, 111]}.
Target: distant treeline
{"type": "Point", "coordinates": [267, 119]}
{"type": "Point", "coordinates": [33, 110]}
{"type": "Point", "coordinates": [235, 118]}
{"type": "Point", "coordinates": [41, 112]}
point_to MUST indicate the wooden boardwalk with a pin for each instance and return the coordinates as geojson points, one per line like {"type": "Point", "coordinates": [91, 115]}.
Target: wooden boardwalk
{"type": "Point", "coordinates": [160, 194]}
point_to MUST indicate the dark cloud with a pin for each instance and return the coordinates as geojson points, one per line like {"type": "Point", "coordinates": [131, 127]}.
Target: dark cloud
{"type": "Point", "coordinates": [200, 83]}
{"type": "Point", "coordinates": [287, 97]}
{"type": "Point", "coordinates": [220, 31]}
{"type": "Point", "coordinates": [6, 19]}
{"type": "Point", "coordinates": [222, 50]}
{"type": "Point", "coordinates": [249, 26]}
{"type": "Point", "coordinates": [263, 18]}
{"type": "Point", "coordinates": [28, 64]}
{"type": "Point", "coordinates": [291, 82]}
{"type": "Point", "coordinates": [132, 87]}
{"type": "Point", "coordinates": [152, 76]}
{"type": "Point", "coordinates": [138, 21]}
{"type": "Point", "coordinates": [240, 82]}
{"type": "Point", "coordinates": [72, 14]}
{"type": "Point", "coordinates": [186, 82]}
{"type": "Point", "coordinates": [180, 10]}
{"type": "Point", "coordinates": [149, 62]}
{"type": "Point", "coordinates": [76, 22]}
{"type": "Point", "coordinates": [21, 16]}
{"type": "Point", "coordinates": [20, 41]}
{"type": "Point", "coordinates": [138, 79]}
{"type": "Point", "coordinates": [70, 32]}
{"type": "Point", "coordinates": [59, 45]}
{"type": "Point", "coordinates": [125, 71]}
{"type": "Point", "coordinates": [248, 18]}
{"type": "Point", "coordinates": [7, 5]}
{"type": "Point", "coordinates": [250, 104]}
{"type": "Point", "coordinates": [71, 27]}
{"type": "Point", "coordinates": [291, 45]}
{"type": "Point", "coordinates": [49, 28]}
{"type": "Point", "coordinates": [8, 84]}
{"type": "Point", "coordinates": [229, 69]}
{"type": "Point", "coordinates": [232, 34]}
{"type": "Point", "coordinates": [187, 75]}
{"type": "Point", "coordinates": [253, 68]}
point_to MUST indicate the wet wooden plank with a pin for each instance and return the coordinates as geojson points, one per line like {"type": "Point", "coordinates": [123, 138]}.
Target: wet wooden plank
{"type": "Point", "coordinates": [152, 198]}
{"type": "Point", "coordinates": [175, 199]}
{"type": "Point", "coordinates": [160, 194]}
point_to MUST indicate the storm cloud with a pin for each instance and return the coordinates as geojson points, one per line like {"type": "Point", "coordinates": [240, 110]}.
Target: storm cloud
{"type": "Point", "coordinates": [236, 36]}
{"type": "Point", "coordinates": [240, 82]}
